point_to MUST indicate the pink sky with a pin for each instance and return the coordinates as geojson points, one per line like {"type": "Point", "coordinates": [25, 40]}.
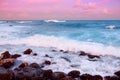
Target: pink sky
{"type": "Point", "coordinates": [60, 9]}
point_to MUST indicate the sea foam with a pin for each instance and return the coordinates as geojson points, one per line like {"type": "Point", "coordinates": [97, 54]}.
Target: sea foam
{"type": "Point", "coordinates": [65, 44]}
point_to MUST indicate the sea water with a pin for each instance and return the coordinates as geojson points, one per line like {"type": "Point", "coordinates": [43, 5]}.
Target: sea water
{"type": "Point", "coordinates": [97, 37]}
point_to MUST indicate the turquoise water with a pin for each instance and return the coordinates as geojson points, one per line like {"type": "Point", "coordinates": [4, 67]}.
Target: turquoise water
{"type": "Point", "coordinates": [59, 32]}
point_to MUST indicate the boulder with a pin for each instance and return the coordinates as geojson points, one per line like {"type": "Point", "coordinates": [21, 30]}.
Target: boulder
{"type": "Point", "coordinates": [74, 73]}
{"type": "Point", "coordinates": [117, 73]}
{"type": "Point", "coordinates": [5, 55]}
{"type": "Point", "coordinates": [58, 75]}
{"type": "Point", "coordinates": [35, 54]}
{"type": "Point", "coordinates": [82, 53]}
{"type": "Point", "coordinates": [22, 65]}
{"type": "Point", "coordinates": [86, 77]}
{"type": "Point", "coordinates": [93, 56]}
{"type": "Point", "coordinates": [48, 74]}
{"type": "Point", "coordinates": [34, 65]}
{"type": "Point", "coordinates": [67, 78]}
{"type": "Point", "coordinates": [7, 63]}
{"type": "Point", "coordinates": [97, 77]}
{"type": "Point", "coordinates": [15, 56]}
{"type": "Point", "coordinates": [47, 62]}
{"type": "Point", "coordinates": [28, 51]}
{"type": "Point", "coordinates": [5, 75]}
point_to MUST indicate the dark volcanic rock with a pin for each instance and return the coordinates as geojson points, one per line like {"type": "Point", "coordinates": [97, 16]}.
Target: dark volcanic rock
{"type": "Point", "coordinates": [7, 63]}
{"type": "Point", "coordinates": [117, 73]}
{"type": "Point", "coordinates": [97, 77]}
{"type": "Point", "coordinates": [15, 56]}
{"type": "Point", "coordinates": [35, 54]}
{"type": "Point", "coordinates": [93, 56]}
{"type": "Point", "coordinates": [47, 62]}
{"type": "Point", "coordinates": [86, 77]}
{"type": "Point", "coordinates": [74, 73]}
{"type": "Point", "coordinates": [34, 65]}
{"type": "Point", "coordinates": [111, 78]}
{"type": "Point", "coordinates": [58, 75]}
{"type": "Point", "coordinates": [5, 55]}
{"type": "Point", "coordinates": [48, 74]}
{"type": "Point", "coordinates": [67, 78]}
{"type": "Point", "coordinates": [22, 65]}
{"type": "Point", "coordinates": [28, 51]}
{"type": "Point", "coordinates": [5, 75]}
{"type": "Point", "coordinates": [82, 53]}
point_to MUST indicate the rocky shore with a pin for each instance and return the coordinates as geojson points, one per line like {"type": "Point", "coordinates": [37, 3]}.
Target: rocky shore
{"type": "Point", "coordinates": [35, 71]}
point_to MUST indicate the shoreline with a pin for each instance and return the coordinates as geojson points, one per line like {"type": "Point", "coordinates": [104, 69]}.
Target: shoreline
{"type": "Point", "coordinates": [36, 71]}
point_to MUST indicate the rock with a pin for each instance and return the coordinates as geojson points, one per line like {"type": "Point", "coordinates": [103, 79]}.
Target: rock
{"type": "Point", "coordinates": [54, 50]}
{"type": "Point", "coordinates": [74, 73]}
{"type": "Point", "coordinates": [25, 64]}
{"type": "Point", "coordinates": [37, 78]}
{"type": "Point", "coordinates": [5, 55]}
{"type": "Point", "coordinates": [7, 63]}
{"type": "Point", "coordinates": [47, 62]}
{"type": "Point", "coordinates": [97, 77]}
{"type": "Point", "coordinates": [82, 53]}
{"type": "Point", "coordinates": [28, 51]}
{"type": "Point", "coordinates": [111, 78]}
{"type": "Point", "coordinates": [35, 54]}
{"type": "Point", "coordinates": [61, 50]}
{"type": "Point", "coordinates": [117, 73]}
{"type": "Point", "coordinates": [47, 74]}
{"type": "Point", "coordinates": [66, 52]}
{"type": "Point", "coordinates": [67, 78]}
{"type": "Point", "coordinates": [58, 75]}
{"type": "Point", "coordinates": [86, 77]}
{"type": "Point", "coordinates": [34, 65]}
{"type": "Point", "coordinates": [15, 56]}
{"type": "Point", "coordinates": [93, 56]}
{"type": "Point", "coordinates": [5, 75]}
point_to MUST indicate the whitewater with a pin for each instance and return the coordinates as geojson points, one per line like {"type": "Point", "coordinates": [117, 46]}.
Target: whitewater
{"type": "Point", "coordinates": [100, 37]}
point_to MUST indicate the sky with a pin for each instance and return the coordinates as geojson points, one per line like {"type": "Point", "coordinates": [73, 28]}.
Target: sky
{"type": "Point", "coordinates": [60, 9]}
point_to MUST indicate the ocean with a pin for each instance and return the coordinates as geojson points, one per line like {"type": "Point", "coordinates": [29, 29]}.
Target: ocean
{"type": "Point", "coordinates": [97, 37]}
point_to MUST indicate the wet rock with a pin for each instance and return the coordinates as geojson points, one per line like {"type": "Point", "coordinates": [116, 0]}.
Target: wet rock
{"type": "Point", "coordinates": [5, 55]}
{"type": "Point", "coordinates": [86, 77]}
{"type": "Point", "coordinates": [93, 56]}
{"type": "Point", "coordinates": [111, 78]}
{"type": "Point", "coordinates": [67, 78]}
{"type": "Point", "coordinates": [97, 77]}
{"type": "Point", "coordinates": [66, 52]}
{"type": "Point", "coordinates": [82, 53]}
{"type": "Point", "coordinates": [46, 55]}
{"type": "Point", "coordinates": [28, 51]}
{"type": "Point", "coordinates": [47, 74]}
{"type": "Point", "coordinates": [7, 63]}
{"type": "Point", "coordinates": [58, 75]}
{"type": "Point", "coordinates": [117, 73]}
{"type": "Point", "coordinates": [61, 50]}
{"type": "Point", "coordinates": [35, 54]}
{"type": "Point", "coordinates": [34, 65]}
{"type": "Point", "coordinates": [47, 62]}
{"type": "Point", "coordinates": [54, 50]}
{"type": "Point", "coordinates": [74, 73]}
{"type": "Point", "coordinates": [37, 78]}
{"type": "Point", "coordinates": [5, 75]}
{"type": "Point", "coordinates": [22, 65]}
{"type": "Point", "coordinates": [15, 56]}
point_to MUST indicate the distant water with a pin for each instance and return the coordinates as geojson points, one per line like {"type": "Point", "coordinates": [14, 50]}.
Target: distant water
{"type": "Point", "coordinates": [94, 36]}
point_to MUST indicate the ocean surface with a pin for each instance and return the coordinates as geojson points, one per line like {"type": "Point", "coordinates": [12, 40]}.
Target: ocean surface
{"type": "Point", "coordinates": [93, 36]}
{"type": "Point", "coordinates": [97, 37]}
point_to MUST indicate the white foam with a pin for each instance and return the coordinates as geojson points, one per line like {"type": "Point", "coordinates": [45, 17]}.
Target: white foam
{"type": "Point", "coordinates": [111, 27]}
{"type": "Point", "coordinates": [65, 44]}
{"type": "Point", "coordinates": [52, 20]}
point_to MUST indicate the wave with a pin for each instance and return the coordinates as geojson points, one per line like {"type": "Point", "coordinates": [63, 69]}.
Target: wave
{"type": "Point", "coordinates": [52, 20]}
{"type": "Point", "coordinates": [111, 27]}
{"type": "Point", "coordinates": [65, 44]}
{"type": "Point", "coordinates": [22, 22]}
